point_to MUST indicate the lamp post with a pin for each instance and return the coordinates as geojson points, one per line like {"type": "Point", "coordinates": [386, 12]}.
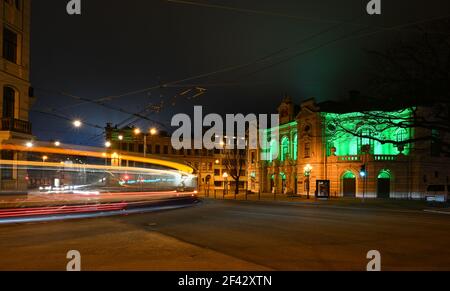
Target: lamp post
{"type": "Point", "coordinates": [225, 179]}
{"type": "Point", "coordinates": [307, 171]}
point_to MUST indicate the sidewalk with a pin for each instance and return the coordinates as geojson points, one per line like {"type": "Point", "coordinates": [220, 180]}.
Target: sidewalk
{"type": "Point", "coordinates": [334, 201]}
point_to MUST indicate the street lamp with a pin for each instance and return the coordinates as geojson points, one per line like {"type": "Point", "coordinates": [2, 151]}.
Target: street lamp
{"type": "Point", "coordinates": [120, 137]}
{"type": "Point", "coordinates": [137, 131]}
{"type": "Point", "coordinates": [29, 144]}
{"type": "Point", "coordinates": [44, 158]}
{"type": "Point", "coordinates": [153, 131]}
{"type": "Point", "coordinates": [225, 178]}
{"type": "Point", "coordinates": [307, 170]}
{"type": "Point", "coordinates": [57, 143]}
{"type": "Point", "coordinates": [108, 144]}
{"type": "Point", "coordinates": [77, 123]}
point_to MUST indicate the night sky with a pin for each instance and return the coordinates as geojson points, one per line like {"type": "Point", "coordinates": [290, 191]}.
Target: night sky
{"type": "Point", "coordinates": [117, 47]}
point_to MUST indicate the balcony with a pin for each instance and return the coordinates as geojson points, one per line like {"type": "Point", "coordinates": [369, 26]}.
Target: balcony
{"type": "Point", "coordinates": [15, 125]}
{"type": "Point", "coordinates": [360, 158]}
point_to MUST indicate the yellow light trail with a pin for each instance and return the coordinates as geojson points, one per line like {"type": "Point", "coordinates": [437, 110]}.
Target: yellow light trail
{"type": "Point", "coordinates": [102, 155]}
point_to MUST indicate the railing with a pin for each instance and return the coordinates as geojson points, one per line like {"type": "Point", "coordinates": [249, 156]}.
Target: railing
{"type": "Point", "coordinates": [360, 158]}
{"type": "Point", "coordinates": [355, 158]}
{"type": "Point", "coordinates": [16, 125]}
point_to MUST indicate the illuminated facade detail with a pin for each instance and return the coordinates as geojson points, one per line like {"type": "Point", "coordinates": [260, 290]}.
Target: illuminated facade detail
{"type": "Point", "coordinates": [335, 145]}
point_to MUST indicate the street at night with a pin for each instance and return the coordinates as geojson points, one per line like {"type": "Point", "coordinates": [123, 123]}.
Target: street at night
{"type": "Point", "coordinates": [224, 143]}
{"type": "Point", "coordinates": [237, 236]}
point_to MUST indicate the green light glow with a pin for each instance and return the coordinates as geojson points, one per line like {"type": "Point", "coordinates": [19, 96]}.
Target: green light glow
{"type": "Point", "coordinates": [349, 175]}
{"type": "Point", "coordinates": [384, 174]}
{"type": "Point", "coordinates": [338, 127]}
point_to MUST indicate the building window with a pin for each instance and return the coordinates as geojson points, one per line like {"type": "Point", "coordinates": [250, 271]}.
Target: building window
{"type": "Point", "coordinates": [253, 157]}
{"type": "Point", "coordinates": [365, 140]}
{"type": "Point", "coordinates": [157, 149]}
{"type": "Point", "coordinates": [284, 148]}
{"type": "Point", "coordinates": [217, 172]}
{"type": "Point", "coordinates": [295, 147]}
{"type": "Point", "coordinates": [9, 45]}
{"type": "Point", "coordinates": [166, 150]}
{"type": "Point", "coordinates": [307, 150]}
{"type": "Point", "coordinates": [7, 170]}
{"type": "Point", "coordinates": [9, 98]}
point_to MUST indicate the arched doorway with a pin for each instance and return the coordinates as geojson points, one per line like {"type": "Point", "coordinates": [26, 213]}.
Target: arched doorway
{"type": "Point", "coordinates": [349, 185]}
{"type": "Point", "coordinates": [272, 183]}
{"type": "Point", "coordinates": [384, 184]}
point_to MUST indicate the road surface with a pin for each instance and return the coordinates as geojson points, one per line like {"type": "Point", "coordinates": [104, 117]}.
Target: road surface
{"type": "Point", "coordinates": [228, 235]}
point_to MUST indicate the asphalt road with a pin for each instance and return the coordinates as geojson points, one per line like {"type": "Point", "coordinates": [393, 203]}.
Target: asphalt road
{"type": "Point", "coordinates": [228, 235]}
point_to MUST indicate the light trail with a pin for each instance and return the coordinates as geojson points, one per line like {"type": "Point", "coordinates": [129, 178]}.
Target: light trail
{"type": "Point", "coordinates": [96, 154]}
{"type": "Point", "coordinates": [51, 213]}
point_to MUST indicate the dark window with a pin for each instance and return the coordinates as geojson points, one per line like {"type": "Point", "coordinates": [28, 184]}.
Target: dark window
{"type": "Point", "coordinates": [157, 149]}
{"type": "Point", "coordinates": [166, 150]}
{"type": "Point", "coordinates": [141, 148]}
{"type": "Point", "coordinates": [10, 45]}
{"type": "Point", "coordinates": [218, 183]}
{"type": "Point", "coordinates": [8, 102]}
{"type": "Point", "coordinates": [307, 150]}
{"type": "Point", "coordinates": [7, 171]}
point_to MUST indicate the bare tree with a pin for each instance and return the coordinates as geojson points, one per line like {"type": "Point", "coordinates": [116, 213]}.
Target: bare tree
{"type": "Point", "coordinates": [234, 160]}
{"type": "Point", "coordinates": [413, 76]}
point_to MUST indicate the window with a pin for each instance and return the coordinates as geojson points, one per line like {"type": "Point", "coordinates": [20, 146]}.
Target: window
{"type": "Point", "coordinates": [166, 150]}
{"type": "Point", "coordinates": [295, 147]}
{"type": "Point", "coordinates": [7, 170]}
{"type": "Point", "coordinates": [436, 143]}
{"type": "Point", "coordinates": [253, 157]}
{"type": "Point", "coordinates": [307, 150]}
{"type": "Point", "coordinates": [217, 172]}
{"type": "Point", "coordinates": [10, 45]}
{"type": "Point", "coordinates": [8, 102]}
{"type": "Point", "coordinates": [364, 140]}
{"type": "Point", "coordinates": [284, 148]}
{"type": "Point", "coordinates": [157, 149]}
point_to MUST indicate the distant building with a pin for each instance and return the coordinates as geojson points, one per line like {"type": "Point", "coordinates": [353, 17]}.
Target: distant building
{"type": "Point", "coordinates": [312, 148]}
{"type": "Point", "coordinates": [16, 93]}
{"type": "Point", "coordinates": [209, 165]}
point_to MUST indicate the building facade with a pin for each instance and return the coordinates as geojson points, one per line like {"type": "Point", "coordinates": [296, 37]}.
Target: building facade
{"type": "Point", "coordinates": [210, 165]}
{"type": "Point", "coordinates": [319, 143]}
{"type": "Point", "coordinates": [16, 93]}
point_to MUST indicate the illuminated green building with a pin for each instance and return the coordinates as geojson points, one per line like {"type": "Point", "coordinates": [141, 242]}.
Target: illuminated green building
{"type": "Point", "coordinates": [361, 153]}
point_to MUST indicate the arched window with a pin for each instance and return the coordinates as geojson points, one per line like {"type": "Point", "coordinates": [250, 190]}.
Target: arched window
{"type": "Point", "coordinates": [401, 135]}
{"type": "Point", "coordinates": [364, 140]}
{"type": "Point", "coordinates": [384, 174]}
{"type": "Point", "coordinates": [295, 147]}
{"type": "Point", "coordinates": [9, 98]}
{"type": "Point", "coordinates": [349, 175]}
{"type": "Point", "coordinates": [284, 148]}
{"type": "Point", "coordinates": [273, 151]}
